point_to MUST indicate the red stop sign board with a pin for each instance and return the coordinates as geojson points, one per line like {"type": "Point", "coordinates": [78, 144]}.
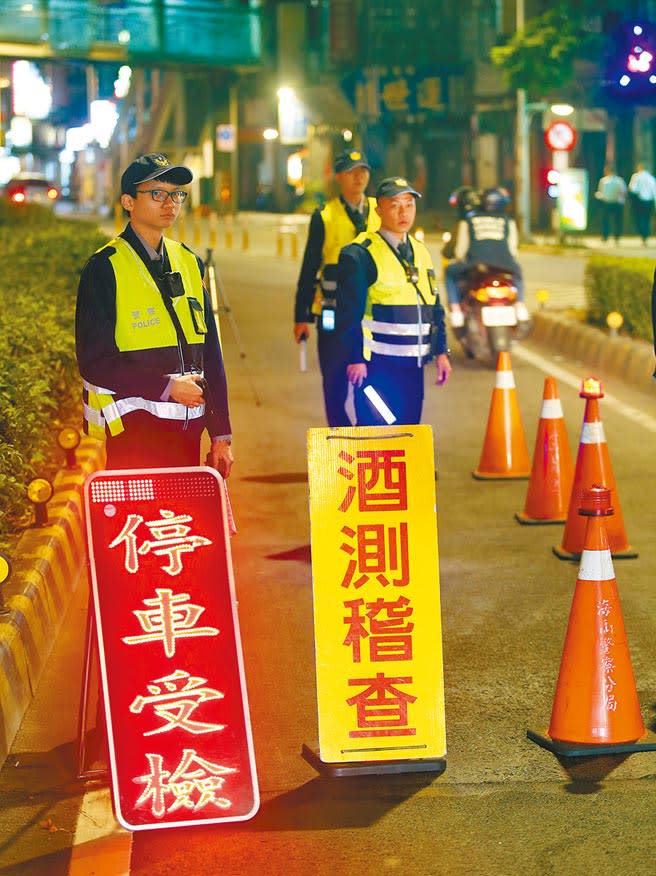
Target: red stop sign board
{"type": "Point", "coordinates": [178, 726]}
{"type": "Point", "coordinates": [560, 136]}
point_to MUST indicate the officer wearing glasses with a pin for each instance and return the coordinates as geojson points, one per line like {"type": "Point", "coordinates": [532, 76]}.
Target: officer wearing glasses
{"type": "Point", "coordinates": [147, 344]}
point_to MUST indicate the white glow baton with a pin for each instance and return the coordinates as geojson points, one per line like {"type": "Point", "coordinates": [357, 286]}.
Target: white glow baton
{"type": "Point", "coordinates": [379, 404]}
{"type": "Point", "coordinates": [303, 354]}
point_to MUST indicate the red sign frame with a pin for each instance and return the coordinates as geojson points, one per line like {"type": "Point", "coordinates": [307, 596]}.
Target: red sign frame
{"type": "Point", "coordinates": [178, 726]}
{"type": "Point", "coordinates": [565, 128]}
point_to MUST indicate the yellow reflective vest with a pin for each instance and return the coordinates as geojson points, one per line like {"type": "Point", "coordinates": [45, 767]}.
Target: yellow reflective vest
{"type": "Point", "coordinates": [145, 333]}
{"type": "Point", "coordinates": [399, 313]}
{"type": "Point", "coordinates": [338, 231]}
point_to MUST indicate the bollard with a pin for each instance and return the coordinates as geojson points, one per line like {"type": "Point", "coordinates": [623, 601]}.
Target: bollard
{"type": "Point", "coordinates": [196, 219]}
{"type": "Point", "coordinates": [213, 230]}
{"type": "Point", "coordinates": [287, 231]}
{"type": "Point", "coordinates": [182, 227]}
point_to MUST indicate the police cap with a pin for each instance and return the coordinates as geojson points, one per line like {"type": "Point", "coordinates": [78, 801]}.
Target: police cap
{"type": "Point", "coordinates": [350, 159]}
{"type": "Point", "coordinates": [153, 166]}
{"type": "Point", "coordinates": [393, 186]}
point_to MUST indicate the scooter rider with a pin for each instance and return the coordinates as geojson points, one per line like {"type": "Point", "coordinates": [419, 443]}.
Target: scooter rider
{"type": "Point", "coordinates": [487, 236]}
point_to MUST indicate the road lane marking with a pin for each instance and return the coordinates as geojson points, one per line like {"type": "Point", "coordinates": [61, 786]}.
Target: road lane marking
{"type": "Point", "coordinates": [100, 846]}
{"type": "Point", "coordinates": [634, 414]}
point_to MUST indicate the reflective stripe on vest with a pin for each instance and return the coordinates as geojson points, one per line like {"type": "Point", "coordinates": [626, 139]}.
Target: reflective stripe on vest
{"type": "Point", "coordinates": [102, 410]}
{"type": "Point", "coordinates": [395, 309]}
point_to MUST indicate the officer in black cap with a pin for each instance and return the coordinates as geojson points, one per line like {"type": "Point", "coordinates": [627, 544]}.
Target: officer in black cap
{"type": "Point", "coordinates": [389, 316]}
{"type": "Point", "coordinates": [340, 220]}
{"type": "Point", "coordinates": [146, 340]}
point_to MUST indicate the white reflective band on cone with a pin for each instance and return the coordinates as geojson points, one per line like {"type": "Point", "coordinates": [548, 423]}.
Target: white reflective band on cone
{"type": "Point", "coordinates": [380, 405]}
{"type": "Point", "coordinates": [551, 409]}
{"type": "Point", "coordinates": [505, 380]}
{"type": "Point", "coordinates": [596, 566]}
{"type": "Point", "coordinates": [593, 433]}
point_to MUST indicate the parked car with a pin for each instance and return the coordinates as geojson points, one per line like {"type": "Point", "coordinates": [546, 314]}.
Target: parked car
{"type": "Point", "coordinates": [31, 188]}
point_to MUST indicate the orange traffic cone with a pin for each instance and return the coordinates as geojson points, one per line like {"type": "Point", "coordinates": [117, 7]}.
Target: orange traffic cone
{"type": "Point", "coordinates": [593, 467]}
{"type": "Point", "coordinates": [596, 702]}
{"type": "Point", "coordinates": [505, 454]}
{"type": "Point", "coordinates": [549, 489]}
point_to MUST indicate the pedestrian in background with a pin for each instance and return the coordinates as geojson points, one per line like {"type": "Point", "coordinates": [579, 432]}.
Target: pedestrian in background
{"type": "Point", "coordinates": [388, 311]}
{"type": "Point", "coordinates": [642, 187]}
{"type": "Point", "coordinates": [611, 194]}
{"type": "Point", "coordinates": [147, 344]}
{"type": "Point", "coordinates": [331, 228]}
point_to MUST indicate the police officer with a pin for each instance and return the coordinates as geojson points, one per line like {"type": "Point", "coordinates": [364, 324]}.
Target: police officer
{"type": "Point", "coordinates": [389, 313]}
{"type": "Point", "coordinates": [147, 344]}
{"type": "Point", "coordinates": [331, 228]}
{"type": "Point", "coordinates": [486, 236]}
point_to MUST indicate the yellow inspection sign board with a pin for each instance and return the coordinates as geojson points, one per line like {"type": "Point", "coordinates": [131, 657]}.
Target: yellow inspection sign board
{"type": "Point", "coordinates": [377, 626]}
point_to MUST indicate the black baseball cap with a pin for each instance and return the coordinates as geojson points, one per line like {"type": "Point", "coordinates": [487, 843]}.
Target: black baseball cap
{"type": "Point", "coordinates": [152, 166]}
{"type": "Point", "coordinates": [350, 159]}
{"type": "Point", "coordinates": [395, 185]}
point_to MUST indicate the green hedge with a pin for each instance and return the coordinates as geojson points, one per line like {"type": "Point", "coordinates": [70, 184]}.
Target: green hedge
{"type": "Point", "coordinates": [39, 383]}
{"type": "Point", "coordinates": [622, 284]}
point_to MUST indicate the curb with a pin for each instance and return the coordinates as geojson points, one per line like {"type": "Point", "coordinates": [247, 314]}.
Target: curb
{"type": "Point", "coordinates": [44, 576]}
{"type": "Point", "coordinates": [632, 360]}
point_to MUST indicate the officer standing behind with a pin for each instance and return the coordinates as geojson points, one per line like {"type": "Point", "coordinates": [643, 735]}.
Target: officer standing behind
{"type": "Point", "coordinates": [331, 228]}
{"type": "Point", "coordinates": [147, 344]}
{"type": "Point", "coordinates": [389, 314]}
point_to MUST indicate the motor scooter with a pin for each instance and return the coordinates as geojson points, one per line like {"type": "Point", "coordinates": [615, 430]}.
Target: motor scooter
{"type": "Point", "coordinates": [490, 317]}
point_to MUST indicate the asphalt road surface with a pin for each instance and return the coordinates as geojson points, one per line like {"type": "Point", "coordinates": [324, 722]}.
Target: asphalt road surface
{"type": "Point", "coordinates": [504, 806]}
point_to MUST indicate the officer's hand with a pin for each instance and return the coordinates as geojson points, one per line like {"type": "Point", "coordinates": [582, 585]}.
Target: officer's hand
{"type": "Point", "coordinates": [220, 457]}
{"type": "Point", "coordinates": [186, 390]}
{"type": "Point", "coordinates": [356, 373]}
{"type": "Point", "coordinates": [301, 331]}
{"type": "Point", "coordinates": [443, 369]}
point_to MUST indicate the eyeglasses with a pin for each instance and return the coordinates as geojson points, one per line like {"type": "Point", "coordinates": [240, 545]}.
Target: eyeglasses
{"type": "Point", "coordinates": [161, 195]}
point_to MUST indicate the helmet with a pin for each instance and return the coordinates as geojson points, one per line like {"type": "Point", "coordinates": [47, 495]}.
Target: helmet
{"type": "Point", "coordinates": [495, 200]}
{"type": "Point", "coordinates": [464, 199]}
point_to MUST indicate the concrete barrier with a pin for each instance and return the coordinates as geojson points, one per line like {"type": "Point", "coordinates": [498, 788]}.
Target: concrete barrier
{"type": "Point", "coordinates": [623, 357]}
{"type": "Point", "coordinates": [46, 566]}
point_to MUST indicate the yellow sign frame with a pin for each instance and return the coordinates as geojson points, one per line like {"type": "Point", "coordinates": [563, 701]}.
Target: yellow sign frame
{"type": "Point", "coordinates": [377, 617]}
